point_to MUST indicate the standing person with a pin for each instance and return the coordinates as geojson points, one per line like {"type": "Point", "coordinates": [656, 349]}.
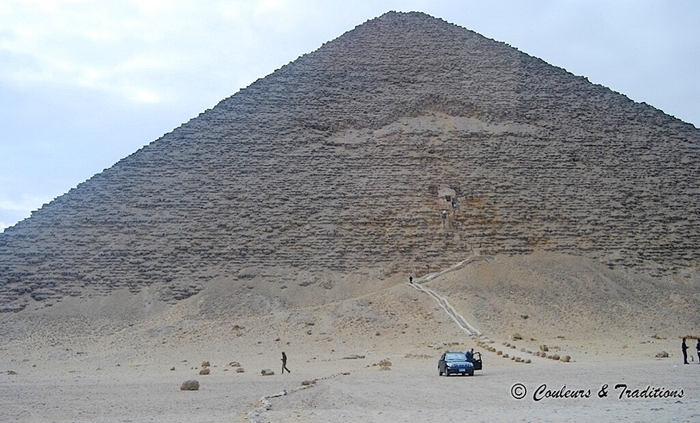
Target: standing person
{"type": "Point", "coordinates": [470, 355]}
{"type": "Point", "coordinates": [410, 280]}
{"type": "Point", "coordinates": [444, 217]}
{"type": "Point", "coordinates": [685, 352]}
{"type": "Point", "coordinates": [697, 347]}
{"type": "Point", "coordinates": [284, 363]}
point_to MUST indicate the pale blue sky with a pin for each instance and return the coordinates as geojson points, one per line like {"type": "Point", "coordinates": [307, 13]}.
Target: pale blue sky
{"type": "Point", "coordinates": [86, 83]}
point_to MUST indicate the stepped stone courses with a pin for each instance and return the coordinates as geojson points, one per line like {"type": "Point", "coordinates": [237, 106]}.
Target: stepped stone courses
{"type": "Point", "coordinates": [335, 160]}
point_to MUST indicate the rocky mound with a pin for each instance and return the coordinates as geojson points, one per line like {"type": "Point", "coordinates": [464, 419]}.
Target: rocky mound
{"type": "Point", "coordinates": [553, 296]}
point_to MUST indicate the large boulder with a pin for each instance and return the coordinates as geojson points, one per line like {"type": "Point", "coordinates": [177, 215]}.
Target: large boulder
{"type": "Point", "coordinates": [189, 385]}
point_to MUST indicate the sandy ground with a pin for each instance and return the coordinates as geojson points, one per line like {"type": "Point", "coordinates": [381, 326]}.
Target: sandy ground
{"type": "Point", "coordinates": [410, 391]}
{"type": "Point", "coordinates": [123, 358]}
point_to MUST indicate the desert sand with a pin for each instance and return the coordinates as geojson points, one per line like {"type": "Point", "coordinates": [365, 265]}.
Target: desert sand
{"type": "Point", "coordinates": [123, 357]}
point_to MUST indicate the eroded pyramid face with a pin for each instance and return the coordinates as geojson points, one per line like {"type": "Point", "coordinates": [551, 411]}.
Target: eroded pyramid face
{"type": "Point", "coordinates": [346, 158]}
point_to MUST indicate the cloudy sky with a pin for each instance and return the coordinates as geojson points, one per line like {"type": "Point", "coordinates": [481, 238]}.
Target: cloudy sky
{"type": "Point", "coordinates": [85, 83]}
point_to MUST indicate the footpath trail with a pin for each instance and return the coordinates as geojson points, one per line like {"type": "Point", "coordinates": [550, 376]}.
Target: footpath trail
{"type": "Point", "coordinates": [463, 324]}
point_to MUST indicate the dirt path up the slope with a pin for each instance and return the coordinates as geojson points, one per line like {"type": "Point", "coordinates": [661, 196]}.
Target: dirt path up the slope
{"type": "Point", "coordinates": [463, 324]}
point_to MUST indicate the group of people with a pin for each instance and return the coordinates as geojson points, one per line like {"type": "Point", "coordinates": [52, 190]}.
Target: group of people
{"type": "Point", "coordinates": [684, 348]}
{"type": "Point", "coordinates": [444, 213]}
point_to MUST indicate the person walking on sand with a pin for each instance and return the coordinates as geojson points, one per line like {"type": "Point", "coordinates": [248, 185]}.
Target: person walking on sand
{"type": "Point", "coordinates": [284, 363]}
{"type": "Point", "coordinates": [685, 352]}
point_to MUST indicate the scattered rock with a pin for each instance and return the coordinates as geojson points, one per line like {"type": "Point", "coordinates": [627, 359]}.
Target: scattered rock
{"type": "Point", "coordinates": [11, 372]}
{"type": "Point", "coordinates": [516, 337]}
{"type": "Point", "coordinates": [566, 358]}
{"type": "Point", "coordinates": [353, 357]}
{"type": "Point", "coordinates": [189, 385]}
{"type": "Point", "coordinates": [307, 382]}
{"type": "Point", "coordinates": [267, 372]}
{"type": "Point", "coordinates": [240, 370]}
{"type": "Point", "coordinates": [172, 369]}
{"type": "Point", "coordinates": [205, 371]}
{"type": "Point", "coordinates": [234, 364]}
{"type": "Point", "coordinates": [409, 355]}
{"type": "Point", "coordinates": [662, 354]}
{"type": "Point", "coordinates": [544, 348]}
